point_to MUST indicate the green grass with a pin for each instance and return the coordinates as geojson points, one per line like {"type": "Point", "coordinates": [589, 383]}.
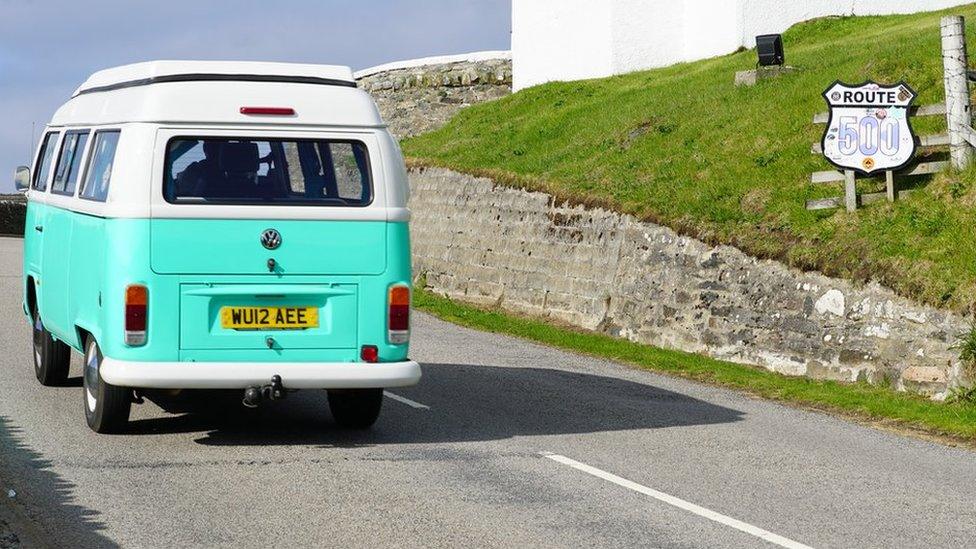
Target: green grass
{"type": "Point", "coordinates": [862, 401]}
{"type": "Point", "coordinates": [684, 147]}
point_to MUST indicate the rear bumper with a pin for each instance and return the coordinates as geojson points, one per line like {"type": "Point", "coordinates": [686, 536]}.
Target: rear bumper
{"type": "Point", "coordinates": [240, 375]}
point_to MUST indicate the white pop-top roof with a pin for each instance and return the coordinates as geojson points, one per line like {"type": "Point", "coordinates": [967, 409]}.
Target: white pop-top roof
{"type": "Point", "coordinates": [151, 70]}
{"type": "Point", "coordinates": [213, 92]}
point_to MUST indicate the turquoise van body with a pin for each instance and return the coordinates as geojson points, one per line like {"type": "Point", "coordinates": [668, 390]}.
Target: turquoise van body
{"type": "Point", "coordinates": [194, 267]}
{"type": "Point", "coordinates": [220, 225]}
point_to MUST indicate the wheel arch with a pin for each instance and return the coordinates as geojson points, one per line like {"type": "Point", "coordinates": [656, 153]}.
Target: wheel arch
{"type": "Point", "coordinates": [30, 296]}
{"type": "Point", "coordinates": [84, 332]}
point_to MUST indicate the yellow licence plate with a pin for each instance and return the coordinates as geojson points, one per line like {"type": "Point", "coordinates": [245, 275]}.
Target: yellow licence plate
{"type": "Point", "coordinates": [269, 318]}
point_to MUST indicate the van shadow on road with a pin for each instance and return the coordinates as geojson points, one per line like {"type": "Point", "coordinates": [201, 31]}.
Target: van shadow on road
{"type": "Point", "coordinates": [37, 486]}
{"type": "Point", "coordinates": [467, 403]}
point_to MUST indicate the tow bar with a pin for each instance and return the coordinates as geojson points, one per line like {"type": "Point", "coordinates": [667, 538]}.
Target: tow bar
{"type": "Point", "coordinates": [253, 396]}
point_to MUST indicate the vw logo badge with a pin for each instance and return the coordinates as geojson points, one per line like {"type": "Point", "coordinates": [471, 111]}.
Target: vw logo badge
{"type": "Point", "coordinates": [270, 239]}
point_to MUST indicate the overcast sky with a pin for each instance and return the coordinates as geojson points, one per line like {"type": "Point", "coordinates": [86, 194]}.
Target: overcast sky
{"type": "Point", "coordinates": [47, 48]}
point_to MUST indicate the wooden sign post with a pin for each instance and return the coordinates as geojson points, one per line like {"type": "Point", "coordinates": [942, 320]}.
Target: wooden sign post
{"type": "Point", "coordinates": [958, 115]}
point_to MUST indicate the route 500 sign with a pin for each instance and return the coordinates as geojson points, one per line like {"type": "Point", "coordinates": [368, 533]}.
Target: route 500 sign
{"type": "Point", "coordinates": [869, 128]}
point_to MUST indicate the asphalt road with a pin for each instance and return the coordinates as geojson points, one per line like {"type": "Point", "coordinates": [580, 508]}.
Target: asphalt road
{"type": "Point", "coordinates": [640, 461]}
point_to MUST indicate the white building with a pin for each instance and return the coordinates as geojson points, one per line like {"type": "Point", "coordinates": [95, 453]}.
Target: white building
{"type": "Point", "coordinates": [577, 39]}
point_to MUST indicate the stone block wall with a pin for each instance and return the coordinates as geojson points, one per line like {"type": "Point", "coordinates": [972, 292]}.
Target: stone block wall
{"type": "Point", "coordinates": [487, 244]}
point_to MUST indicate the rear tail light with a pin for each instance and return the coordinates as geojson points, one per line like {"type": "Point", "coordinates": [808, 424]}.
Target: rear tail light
{"type": "Point", "coordinates": [369, 353]}
{"type": "Point", "coordinates": [136, 304]}
{"type": "Point", "coordinates": [398, 325]}
{"type": "Point", "coordinates": [273, 111]}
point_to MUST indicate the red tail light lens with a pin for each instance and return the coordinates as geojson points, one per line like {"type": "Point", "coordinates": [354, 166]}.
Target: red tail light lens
{"type": "Point", "coordinates": [136, 307]}
{"type": "Point", "coordinates": [369, 353]}
{"type": "Point", "coordinates": [398, 324]}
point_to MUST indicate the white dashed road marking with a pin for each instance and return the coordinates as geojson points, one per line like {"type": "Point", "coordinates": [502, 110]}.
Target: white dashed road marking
{"type": "Point", "coordinates": [406, 401]}
{"type": "Point", "coordinates": [679, 503]}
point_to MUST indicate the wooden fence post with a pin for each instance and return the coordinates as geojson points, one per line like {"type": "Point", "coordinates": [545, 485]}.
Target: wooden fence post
{"type": "Point", "coordinates": [890, 186]}
{"type": "Point", "coordinates": [850, 191]}
{"type": "Point", "coordinates": [956, 63]}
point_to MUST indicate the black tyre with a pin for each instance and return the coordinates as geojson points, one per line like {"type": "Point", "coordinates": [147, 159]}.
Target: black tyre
{"type": "Point", "coordinates": [51, 357]}
{"type": "Point", "coordinates": [356, 408]}
{"type": "Point", "coordinates": [106, 406]}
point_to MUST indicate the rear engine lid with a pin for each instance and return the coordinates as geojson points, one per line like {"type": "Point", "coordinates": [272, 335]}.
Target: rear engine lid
{"type": "Point", "coordinates": [269, 247]}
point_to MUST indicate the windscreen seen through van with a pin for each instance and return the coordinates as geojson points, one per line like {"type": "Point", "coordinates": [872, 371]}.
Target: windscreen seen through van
{"type": "Point", "coordinates": [274, 172]}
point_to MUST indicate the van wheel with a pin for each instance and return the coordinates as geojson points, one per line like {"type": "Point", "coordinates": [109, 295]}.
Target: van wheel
{"type": "Point", "coordinates": [355, 408]}
{"type": "Point", "coordinates": [51, 357]}
{"type": "Point", "coordinates": [106, 406]}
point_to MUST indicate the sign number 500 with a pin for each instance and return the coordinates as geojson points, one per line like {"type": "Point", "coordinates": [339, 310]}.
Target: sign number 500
{"type": "Point", "coordinates": [869, 135]}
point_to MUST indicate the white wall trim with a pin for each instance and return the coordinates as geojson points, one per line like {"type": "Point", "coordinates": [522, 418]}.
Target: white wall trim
{"type": "Point", "coordinates": [472, 57]}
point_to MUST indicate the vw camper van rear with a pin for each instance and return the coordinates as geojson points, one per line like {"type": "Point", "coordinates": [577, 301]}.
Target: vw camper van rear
{"type": "Point", "coordinates": [220, 225]}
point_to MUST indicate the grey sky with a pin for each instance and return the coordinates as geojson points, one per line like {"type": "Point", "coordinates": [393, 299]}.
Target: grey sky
{"type": "Point", "coordinates": [49, 47]}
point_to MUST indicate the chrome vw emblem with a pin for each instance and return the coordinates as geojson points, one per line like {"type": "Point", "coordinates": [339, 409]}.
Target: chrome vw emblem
{"type": "Point", "coordinates": [270, 239]}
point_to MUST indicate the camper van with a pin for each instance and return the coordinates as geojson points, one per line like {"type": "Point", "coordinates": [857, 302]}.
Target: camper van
{"type": "Point", "coordinates": [219, 225]}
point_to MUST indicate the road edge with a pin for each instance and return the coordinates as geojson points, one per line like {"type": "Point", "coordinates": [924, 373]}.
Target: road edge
{"type": "Point", "coordinates": [793, 392]}
{"type": "Point", "coordinates": [16, 528]}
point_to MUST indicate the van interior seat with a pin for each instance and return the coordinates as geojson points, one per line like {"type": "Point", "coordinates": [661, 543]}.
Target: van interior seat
{"type": "Point", "coordinates": [239, 158]}
{"type": "Point", "coordinates": [238, 163]}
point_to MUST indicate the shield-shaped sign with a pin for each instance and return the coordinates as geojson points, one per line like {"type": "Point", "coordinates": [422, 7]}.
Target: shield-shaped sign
{"type": "Point", "coordinates": [869, 128]}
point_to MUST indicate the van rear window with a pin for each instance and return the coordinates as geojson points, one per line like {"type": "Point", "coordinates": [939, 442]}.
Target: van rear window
{"type": "Point", "coordinates": [276, 172]}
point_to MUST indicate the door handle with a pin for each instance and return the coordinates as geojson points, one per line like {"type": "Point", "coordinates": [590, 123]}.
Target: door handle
{"type": "Point", "coordinates": [39, 228]}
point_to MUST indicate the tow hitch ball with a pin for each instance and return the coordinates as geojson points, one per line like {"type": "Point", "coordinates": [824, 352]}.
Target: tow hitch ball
{"type": "Point", "coordinates": [273, 391]}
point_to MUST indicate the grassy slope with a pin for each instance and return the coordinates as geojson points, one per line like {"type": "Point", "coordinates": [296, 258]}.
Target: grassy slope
{"type": "Point", "coordinates": [684, 147]}
{"type": "Point", "coordinates": [878, 405]}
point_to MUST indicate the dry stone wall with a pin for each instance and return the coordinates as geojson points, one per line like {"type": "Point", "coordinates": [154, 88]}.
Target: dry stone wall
{"type": "Point", "coordinates": [420, 99]}
{"type": "Point", "coordinates": [480, 242]}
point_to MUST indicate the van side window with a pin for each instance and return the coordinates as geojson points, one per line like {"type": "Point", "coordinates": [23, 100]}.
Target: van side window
{"type": "Point", "coordinates": [274, 172]}
{"type": "Point", "coordinates": [69, 162]}
{"type": "Point", "coordinates": [99, 171]}
{"type": "Point", "coordinates": [43, 169]}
